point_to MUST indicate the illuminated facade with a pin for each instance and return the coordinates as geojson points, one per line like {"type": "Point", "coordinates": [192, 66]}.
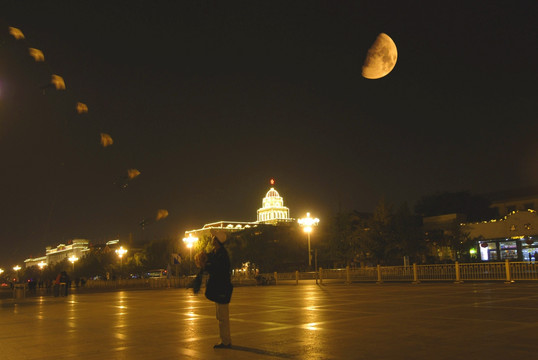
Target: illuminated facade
{"type": "Point", "coordinates": [272, 212]}
{"type": "Point", "coordinates": [513, 237]}
{"type": "Point", "coordinates": [273, 209]}
{"type": "Point", "coordinates": [78, 248]}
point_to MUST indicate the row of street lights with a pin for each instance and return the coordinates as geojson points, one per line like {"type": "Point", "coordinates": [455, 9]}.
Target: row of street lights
{"type": "Point", "coordinates": [16, 268]}
{"type": "Point", "coordinates": [120, 252]}
{"type": "Point", "coordinates": [307, 223]}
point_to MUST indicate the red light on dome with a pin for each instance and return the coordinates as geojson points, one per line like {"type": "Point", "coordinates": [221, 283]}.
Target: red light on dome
{"type": "Point", "coordinates": [272, 181]}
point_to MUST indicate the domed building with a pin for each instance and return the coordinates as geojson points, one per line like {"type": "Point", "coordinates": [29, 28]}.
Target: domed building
{"type": "Point", "coordinates": [272, 212]}
{"type": "Point", "coordinates": [273, 209]}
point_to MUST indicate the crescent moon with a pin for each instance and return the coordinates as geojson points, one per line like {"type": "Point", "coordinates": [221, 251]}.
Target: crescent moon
{"type": "Point", "coordinates": [381, 58]}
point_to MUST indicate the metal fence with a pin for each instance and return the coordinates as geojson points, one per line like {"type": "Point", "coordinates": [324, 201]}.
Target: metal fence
{"type": "Point", "coordinates": [172, 282]}
{"type": "Point", "coordinates": [442, 272]}
{"type": "Point", "coordinates": [524, 271]}
{"type": "Point", "coordinates": [499, 271]}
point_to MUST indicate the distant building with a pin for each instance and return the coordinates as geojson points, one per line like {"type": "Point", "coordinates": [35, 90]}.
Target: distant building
{"type": "Point", "coordinates": [513, 234]}
{"type": "Point", "coordinates": [272, 212]}
{"type": "Point", "coordinates": [77, 247]}
{"type": "Point", "coordinates": [512, 237]}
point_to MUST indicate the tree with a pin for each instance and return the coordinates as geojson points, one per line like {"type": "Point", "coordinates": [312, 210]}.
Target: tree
{"type": "Point", "coordinates": [97, 263]}
{"type": "Point", "coordinates": [457, 239]}
{"type": "Point", "coordinates": [377, 240]}
{"type": "Point", "coordinates": [407, 227]}
{"type": "Point", "coordinates": [343, 237]}
{"type": "Point", "coordinates": [157, 254]}
{"type": "Point", "coordinates": [270, 248]}
{"type": "Point", "coordinates": [388, 236]}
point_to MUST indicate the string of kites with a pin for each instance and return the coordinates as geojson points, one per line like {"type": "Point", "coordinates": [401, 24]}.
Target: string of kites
{"type": "Point", "coordinates": [106, 140]}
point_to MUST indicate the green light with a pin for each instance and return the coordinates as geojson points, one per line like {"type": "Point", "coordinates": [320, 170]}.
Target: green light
{"type": "Point", "coordinates": [472, 251]}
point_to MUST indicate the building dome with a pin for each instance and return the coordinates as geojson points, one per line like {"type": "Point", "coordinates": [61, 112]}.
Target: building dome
{"type": "Point", "coordinates": [272, 193]}
{"type": "Point", "coordinates": [273, 209]}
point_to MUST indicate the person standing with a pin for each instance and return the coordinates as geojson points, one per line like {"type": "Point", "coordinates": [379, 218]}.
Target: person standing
{"type": "Point", "coordinates": [219, 286]}
{"type": "Point", "coordinates": [64, 281]}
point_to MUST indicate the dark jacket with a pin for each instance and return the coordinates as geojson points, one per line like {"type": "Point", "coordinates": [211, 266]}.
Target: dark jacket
{"type": "Point", "coordinates": [219, 285]}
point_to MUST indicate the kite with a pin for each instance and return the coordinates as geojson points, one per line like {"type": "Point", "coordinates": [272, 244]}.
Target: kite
{"type": "Point", "coordinates": [106, 140]}
{"type": "Point", "coordinates": [82, 108]}
{"type": "Point", "coordinates": [17, 34]}
{"type": "Point", "coordinates": [58, 82]}
{"type": "Point", "coordinates": [161, 214]}
{"type": "Point", "coordinates": [132, 173]}
{"type": "Point", "coordinates": [36, 54]}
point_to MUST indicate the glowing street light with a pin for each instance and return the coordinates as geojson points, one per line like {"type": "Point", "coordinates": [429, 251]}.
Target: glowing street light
{"type": "Point", "coordinates": [41, 265]}
{"type": "Point", "coordinates": [189, 241]}
{"type": "Point", "coordinates": [1, 271]}
{"type": "Point", "coordinates": [73, 258]}
{"type": "Point", "coordinates": [308, 223]}
{"type": "Point", "coordinates": [121, 251]}
{"type": "Point", "coordinates": [17, 268]}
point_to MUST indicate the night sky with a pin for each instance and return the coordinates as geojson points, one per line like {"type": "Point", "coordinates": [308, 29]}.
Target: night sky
{"type": "Point", "coordinates": [209, 100]}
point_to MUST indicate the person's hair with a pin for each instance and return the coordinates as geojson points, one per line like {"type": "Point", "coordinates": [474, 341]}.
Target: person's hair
{"type": "Point", "coordinates": [216, 238]}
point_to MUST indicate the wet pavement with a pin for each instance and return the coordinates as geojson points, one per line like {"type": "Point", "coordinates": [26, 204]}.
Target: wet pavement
{"type": "Point", "coordinates": [332, 321]}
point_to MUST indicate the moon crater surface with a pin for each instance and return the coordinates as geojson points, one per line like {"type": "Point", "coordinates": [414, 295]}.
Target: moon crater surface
{"type": "Point", "coordinates": [381, 58]}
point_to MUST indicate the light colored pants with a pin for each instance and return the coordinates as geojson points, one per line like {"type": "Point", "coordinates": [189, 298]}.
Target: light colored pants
{"type": "Point", "coordinates": [223, 316]}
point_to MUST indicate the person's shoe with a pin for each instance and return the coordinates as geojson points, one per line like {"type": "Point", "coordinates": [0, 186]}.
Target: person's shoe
{"type": "Point", "coordinates": [222, 346]}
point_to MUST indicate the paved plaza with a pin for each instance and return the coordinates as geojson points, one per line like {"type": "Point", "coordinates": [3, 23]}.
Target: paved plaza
{"type": "Point", "coordinates": [333, 321]}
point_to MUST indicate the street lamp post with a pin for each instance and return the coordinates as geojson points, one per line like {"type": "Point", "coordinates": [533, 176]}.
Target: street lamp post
{"type": "Point", "coordinates": [308, 223]}
{"type": "Point", "coordinates": [41, 265]}
{"type": "Point", "coordinates": [189, 241]}
{"type": "Point", "coordinates": [121, 251]}
{"type": "Point", "coordinates": [73, 258]}
{"type": "Point", "coordinates": [17, 268]}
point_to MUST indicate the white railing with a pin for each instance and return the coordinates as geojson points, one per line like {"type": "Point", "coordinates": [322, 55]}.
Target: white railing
{"type": "Point", "coordinates": [441, 272]}
{"type": "Point", "coordinates": [396, 273]}
{"type": "Point", "coordinates": [137, 283]}
{"type": "Point", "coordinates": [524, 270]}
{"type": "Point", "coordinates": [499, 271]}
{"type": "Point", "coordinates": [485, 271]}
